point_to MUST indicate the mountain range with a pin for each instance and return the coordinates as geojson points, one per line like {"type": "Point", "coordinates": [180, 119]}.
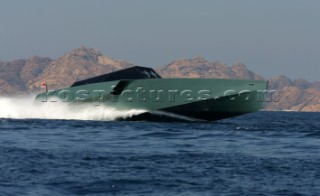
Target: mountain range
{"type": "Point", "coordinates": [24, 76]}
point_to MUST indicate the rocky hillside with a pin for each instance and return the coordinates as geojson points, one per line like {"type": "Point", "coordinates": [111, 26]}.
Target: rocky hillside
{"type": "Point", "coordinates": [25, 76]}
{"type": "Point", "coordinates": [199, 67]}
{"type": "Point", "coordinates": [16, 76]}
{"type": "Point", "coordinates": [296, 95]}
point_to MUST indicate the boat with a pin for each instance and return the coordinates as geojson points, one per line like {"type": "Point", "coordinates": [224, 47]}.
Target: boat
{"type": "Point", "coordinates": [162, 99]}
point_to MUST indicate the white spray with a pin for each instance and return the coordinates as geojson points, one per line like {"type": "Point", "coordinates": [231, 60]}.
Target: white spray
{"type": "Point", "coordinates": [26, 108]}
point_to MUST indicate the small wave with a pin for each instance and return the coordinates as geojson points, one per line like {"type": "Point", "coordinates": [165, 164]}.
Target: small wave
{"type": "Point", "coordinates": [314, 134]}
{"type": "Point", "coordinates": [27, 108]}
{"type": "Point", "coordinates": [241, 128]}
{"type": "Point", "coordinates": [161, 134]}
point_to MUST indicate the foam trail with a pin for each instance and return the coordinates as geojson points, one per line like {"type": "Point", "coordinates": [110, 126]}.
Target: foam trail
{"type": "Point", "coordinates": [175, 116]}
{"type": "Point", "coordinates": [27, 108]}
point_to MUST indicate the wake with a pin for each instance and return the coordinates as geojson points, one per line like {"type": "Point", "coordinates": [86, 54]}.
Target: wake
{"type": "Point", "coordinates": [27, 108]}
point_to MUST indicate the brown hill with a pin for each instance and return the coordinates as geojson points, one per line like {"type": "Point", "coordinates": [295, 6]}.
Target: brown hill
{"type": "Point", "coordinates": [25, 76]}
{"type": "Point", "coordinates": [199, 67]}
{"type": "Point", "coordinates": [296, 95]}
{"type": "Point", "coordinates": [76, 65]}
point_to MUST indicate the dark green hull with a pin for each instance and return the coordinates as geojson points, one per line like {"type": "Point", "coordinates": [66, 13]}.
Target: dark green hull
{"type": "Point", "coordinates": [194, 99]}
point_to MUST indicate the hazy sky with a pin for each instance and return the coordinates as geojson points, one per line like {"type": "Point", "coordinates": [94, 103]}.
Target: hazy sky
{"type": "Point", "coordinates": [271, 37]}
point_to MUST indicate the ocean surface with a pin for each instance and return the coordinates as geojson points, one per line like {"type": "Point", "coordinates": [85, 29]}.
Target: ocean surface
{"type": "Point", "coordinates": [264, 153]}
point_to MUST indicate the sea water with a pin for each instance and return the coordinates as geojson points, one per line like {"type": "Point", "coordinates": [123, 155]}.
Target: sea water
{"type": "Point", "coordinates": [88, 153]}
